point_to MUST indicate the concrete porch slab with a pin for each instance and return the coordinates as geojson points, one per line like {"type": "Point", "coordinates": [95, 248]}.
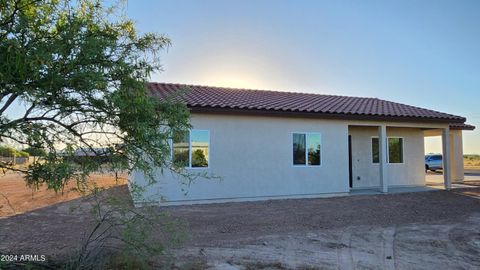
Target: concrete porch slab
{"type": "Point", "coordinates": [434, 181]}
{"type": "Point", "coordinates": [391, 190]}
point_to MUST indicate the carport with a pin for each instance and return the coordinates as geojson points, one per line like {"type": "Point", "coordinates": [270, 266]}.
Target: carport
{"type": "Point", "coordinates": [452, 151]}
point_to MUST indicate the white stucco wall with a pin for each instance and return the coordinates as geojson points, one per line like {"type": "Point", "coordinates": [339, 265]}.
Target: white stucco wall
{"type": "Point", "coordinates": [366, 174]}
{"type": "Point", "coordinates": [253, 155]}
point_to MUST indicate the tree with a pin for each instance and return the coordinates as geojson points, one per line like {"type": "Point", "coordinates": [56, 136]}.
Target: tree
{"type": "Point", "coordinates": [78, 69]}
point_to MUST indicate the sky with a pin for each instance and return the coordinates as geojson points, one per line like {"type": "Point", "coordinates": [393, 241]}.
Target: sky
{"type": "Point", "coordinates": [422, 53]}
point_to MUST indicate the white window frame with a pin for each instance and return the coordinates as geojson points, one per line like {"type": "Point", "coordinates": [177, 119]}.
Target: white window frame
{"type": "Point", "coordinates": [190, 150]}
{"type": "Point", "coordinates": [306, 149]}
{"type": "Point", "coordinates": [388, 152]}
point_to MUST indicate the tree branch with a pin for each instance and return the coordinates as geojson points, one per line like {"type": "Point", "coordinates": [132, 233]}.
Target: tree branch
{"type": "Point", "coordinates": [8, 103]}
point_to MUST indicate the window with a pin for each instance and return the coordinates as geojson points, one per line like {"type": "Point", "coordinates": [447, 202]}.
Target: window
{"type": "Point", "coordinates": [313, 142]}
{"type": "Point", "coordinates": [375, 150]}
{"type": "Point", "coordinates": [395, 150]}
{"type": "Point", "coordinates": [299, 156]}
{"type": "Point", "coordinates": [199, 144]}
{"type": "Point", "coordinates": [191, 149]}
{"type": "Point", "coordinates": [181, 149]}
{"type": "Point", "coordinates": [306, 149]}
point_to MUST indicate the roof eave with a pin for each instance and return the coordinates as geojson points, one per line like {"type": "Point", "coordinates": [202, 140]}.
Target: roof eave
{"type": "Point", "coordinates": [339, 116]}
{"type": "Point", "coordinates": [464, 127]}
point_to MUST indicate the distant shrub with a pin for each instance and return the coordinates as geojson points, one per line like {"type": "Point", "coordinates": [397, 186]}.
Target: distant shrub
{"type": "Point", "coordinates": [21, 154]}
{"type": "Point", "coordinates": [471, 160]}
{"type": "Point", "coordinates": [6, 151]}
{"type": "Point", "coordinates": [36, 152]}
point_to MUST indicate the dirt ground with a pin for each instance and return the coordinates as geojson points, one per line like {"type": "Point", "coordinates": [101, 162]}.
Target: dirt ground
{"type": "Point", "coordinates": [423, 230]}
{"type": "Point", "coordinates": [17, 198]}
{"type": "Point", "coordinates": [472, 162]}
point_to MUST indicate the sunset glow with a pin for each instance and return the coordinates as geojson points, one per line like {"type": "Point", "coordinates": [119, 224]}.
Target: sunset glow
{"type": "Point", "coordinates": [396, 51]}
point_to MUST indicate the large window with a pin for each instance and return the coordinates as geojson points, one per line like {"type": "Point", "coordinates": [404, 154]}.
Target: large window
{"type": "Point", "coordinates": [191, 149]}
{"type": "Point", "coordinates": [394, 148]}
{"type": "Point", "coordinates": [306, 149]}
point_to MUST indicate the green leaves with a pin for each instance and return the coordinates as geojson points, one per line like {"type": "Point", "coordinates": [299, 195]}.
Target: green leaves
{"type": "Point", "coordinates": [53, 173]}
{"type": "Point", "coordinates": [79, 69]}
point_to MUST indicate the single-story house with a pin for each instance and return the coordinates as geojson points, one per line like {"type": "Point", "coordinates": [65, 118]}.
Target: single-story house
{"type": "Point", "coordinates": [271, 144]}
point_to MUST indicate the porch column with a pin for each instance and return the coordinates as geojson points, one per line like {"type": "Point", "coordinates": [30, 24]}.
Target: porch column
{"type": "Point", "coordinates": [456, 156]}
{"type": "Point", "coordinates": [447, 176]}
{"type": "Point", "coordinates": [382, 149]}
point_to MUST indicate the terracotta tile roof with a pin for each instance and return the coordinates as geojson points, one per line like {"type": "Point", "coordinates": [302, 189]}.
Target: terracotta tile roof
{"type": "Point", "coordinates": [231, 99]}
{"type": "Point", "coordinates": [461, 126]}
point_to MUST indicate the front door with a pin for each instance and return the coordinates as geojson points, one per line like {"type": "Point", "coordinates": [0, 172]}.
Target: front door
{"type": "Point", "coordinates": [350, 160]}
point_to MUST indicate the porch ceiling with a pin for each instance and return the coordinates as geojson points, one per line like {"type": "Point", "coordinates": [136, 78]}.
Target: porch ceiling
{"type": "Point", "coordinates": [432, 132]}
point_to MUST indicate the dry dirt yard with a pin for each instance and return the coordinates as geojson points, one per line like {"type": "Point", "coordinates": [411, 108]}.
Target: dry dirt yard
{"type": "Point", "coordinates": [424, 230]}
{"type": "Point", "coordinates": [17, 198]}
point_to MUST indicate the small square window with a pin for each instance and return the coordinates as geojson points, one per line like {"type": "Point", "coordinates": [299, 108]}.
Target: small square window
{"type": "Point", "coordinates": [191, 149]}
{"type": "Point", "coordinates": [395, 150]}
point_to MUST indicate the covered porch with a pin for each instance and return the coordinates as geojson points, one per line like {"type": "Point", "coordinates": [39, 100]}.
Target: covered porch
{"type": "Point", "coordinates": [370, 169]}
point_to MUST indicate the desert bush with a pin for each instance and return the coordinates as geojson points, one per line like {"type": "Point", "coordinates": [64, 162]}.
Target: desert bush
{"type": "Point", "coordinates": [126, 237]}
